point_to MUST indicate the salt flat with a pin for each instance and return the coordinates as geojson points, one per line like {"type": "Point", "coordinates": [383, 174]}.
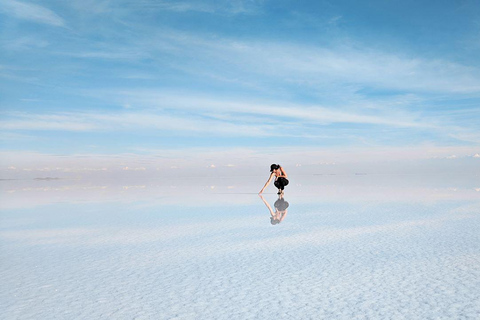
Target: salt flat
{"type": "Point", "coordinates": [349, 247]}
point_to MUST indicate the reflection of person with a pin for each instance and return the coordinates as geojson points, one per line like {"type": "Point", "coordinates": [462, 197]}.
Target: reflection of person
{"type": "Point", "coordinates": [280, 209]}
{"type": "Point", "coordinates": [281, 178]}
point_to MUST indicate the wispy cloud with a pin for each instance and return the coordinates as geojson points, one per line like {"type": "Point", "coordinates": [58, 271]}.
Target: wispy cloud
{"type": "Point", "coordinates": [311, 66]}
{"type": "Point", "coordinates": [217, 107]}
{"type": "Point", "coordinates": [203, 115]}
{"type": "Point", "coordinates": [46, 122]}
{"type": "Point", "coordinates": [24, 43]}
{"type": "Point", "coordinates": [186, 113]}
{"type": "Point", "coordinates": [119, 54]}
{"type": "Point", "coordinates": [282, 64]}
{"type": "Point", "coordinates": [204, 6]}
{"type": "Point", "coordinates": [31, 12]}
{"type": "Point", "coordinates": [363, 67]}
{"type": "Point", "coordinates": [129, 121]}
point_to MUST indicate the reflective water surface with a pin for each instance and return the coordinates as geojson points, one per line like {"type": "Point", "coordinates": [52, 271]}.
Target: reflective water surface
{"type": "Point", "coordinates": [333, 247]}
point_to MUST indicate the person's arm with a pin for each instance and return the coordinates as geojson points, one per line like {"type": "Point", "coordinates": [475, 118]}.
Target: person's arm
{"type": "Point", "coordinates": [267, 183]}
{"type": "Point", "coordinates": [284, 174]}
{"type": "Point", "coordinates": [268, 206]}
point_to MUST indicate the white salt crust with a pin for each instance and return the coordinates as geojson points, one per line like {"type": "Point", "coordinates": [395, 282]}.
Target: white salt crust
{"type": "Point", "coordinates": [327, 260]}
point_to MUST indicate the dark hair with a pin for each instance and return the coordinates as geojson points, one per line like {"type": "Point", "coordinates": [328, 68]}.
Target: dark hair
{"type": "Point", "coordinates": [274, 166]}
{"type": "Point", "coordinates": [274, 221]}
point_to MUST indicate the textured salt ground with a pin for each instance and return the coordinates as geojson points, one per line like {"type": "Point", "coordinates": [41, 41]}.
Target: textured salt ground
{"type": "Point", "coordinates": [331, 260]}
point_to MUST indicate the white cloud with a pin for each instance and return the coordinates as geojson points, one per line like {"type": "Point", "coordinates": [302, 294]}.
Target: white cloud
{"type": "Point", "coordinates": [92, 6]}
{"type": "Point", "coordinates": [25, 43]}
{"type": "Point", "coordinates": [205, 6]}
{"type": "Point", "coordinates": [313, 65]}
{"type": "Point", "coordinates": [178, 6]}
{"type": "Point", "coordinates": [206, 116]}
{"type": "Point", "coordinates": [251, 111]}
{"type": "Point", "coordinates": [129, 121]}
{"type": "Point", "coordinates": [31, 12]}
{"type": "Point", "coordinates": [46, 125]}
{"type": "Point", "coordinates": [263, 64]}
{"type": "Point", "coordinates": [123, 54]}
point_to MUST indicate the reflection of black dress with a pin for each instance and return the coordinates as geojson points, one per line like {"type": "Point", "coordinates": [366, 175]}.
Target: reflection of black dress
{"type": "Point", "coordinates": [281, 205]}
{"type": "Point", "coordinates": [281, 182]}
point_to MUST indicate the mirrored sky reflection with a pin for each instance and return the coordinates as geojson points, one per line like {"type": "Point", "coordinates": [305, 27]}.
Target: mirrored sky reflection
{"type": "Point", "coordinates": [350, 247]}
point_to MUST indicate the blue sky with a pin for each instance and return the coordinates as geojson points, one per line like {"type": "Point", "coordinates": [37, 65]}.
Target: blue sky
{"type": "Point", "coordinates": [161, 77]}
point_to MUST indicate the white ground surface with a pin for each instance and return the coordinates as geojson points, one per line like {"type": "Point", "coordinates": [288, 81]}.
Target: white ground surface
{"type": "Point", "coordinates": [349, 248]}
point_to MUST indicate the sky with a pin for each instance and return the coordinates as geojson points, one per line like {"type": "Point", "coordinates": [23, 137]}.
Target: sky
{"type": "Point", "coordinates": [98, 84]}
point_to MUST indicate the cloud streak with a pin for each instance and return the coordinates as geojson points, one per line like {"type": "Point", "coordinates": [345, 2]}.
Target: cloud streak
{"type": "Point", "coordinates": [307, 113]}
{"type": "Point", "coordinates": [315, 65]}
{"type": "Point", "coordinates": [202, 6]}
{"type": "Point", "coordinates": [189, 113]}
{"type": "Point", "coordinates": [205, 115]}
{"type": "Point", "coordinates": [128, 121]}
{"type": "Point", "coordinates": [31, 12]}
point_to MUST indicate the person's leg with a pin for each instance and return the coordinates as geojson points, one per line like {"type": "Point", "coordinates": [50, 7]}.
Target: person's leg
{"type": "Point", "coordinates": [279, 186]}
{"type": "Point", "coordinates": [282, 182]}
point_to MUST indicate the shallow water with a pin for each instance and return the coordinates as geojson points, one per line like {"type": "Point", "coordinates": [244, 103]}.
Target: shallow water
{"type": "Point", "coordinates": [348, 247]}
